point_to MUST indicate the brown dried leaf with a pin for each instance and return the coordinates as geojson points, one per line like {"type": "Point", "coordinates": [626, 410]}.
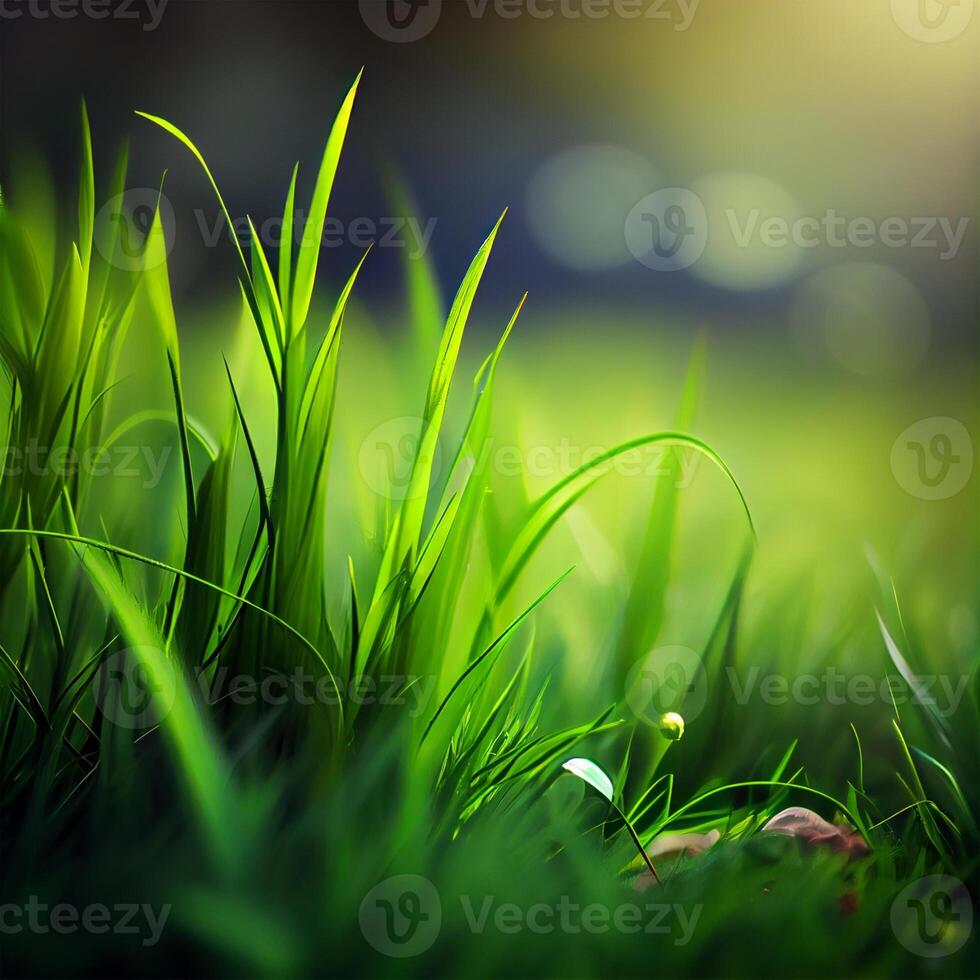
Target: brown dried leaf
{"type": "Point", "coordinates": [812, 829]}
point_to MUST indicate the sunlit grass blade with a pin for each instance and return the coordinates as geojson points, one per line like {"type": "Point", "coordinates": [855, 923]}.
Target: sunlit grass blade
{"type": "Point", "coordinates": [286, 243]}
{"type": "Point", "coordinates": [86, 195]}
{"type": "Point", "coordinates": [197, 756]}
{"type": "Point", "coordinates": [406, 533]}
{"type": "Point", "coordinates": [494, 647]}
{"type": "Point", "coordinates": [308, 252]}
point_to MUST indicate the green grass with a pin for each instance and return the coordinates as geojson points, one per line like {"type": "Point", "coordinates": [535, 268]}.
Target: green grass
{"type": "Point", "coordinates": [263, 552]}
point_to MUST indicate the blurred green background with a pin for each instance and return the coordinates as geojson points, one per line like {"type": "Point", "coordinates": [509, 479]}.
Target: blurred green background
{"type": "Point", "coordinates": [818, 357]}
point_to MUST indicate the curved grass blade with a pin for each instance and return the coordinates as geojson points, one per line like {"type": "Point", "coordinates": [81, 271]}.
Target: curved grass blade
{"type": "Point", "coordinates": [551, 504]}
{"type": "Point", "coordinates": [156, 563]}
{"type": "Point", "coordinates": [245, 281]}
{"type": "Point", "coordinates": [598, 780]}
